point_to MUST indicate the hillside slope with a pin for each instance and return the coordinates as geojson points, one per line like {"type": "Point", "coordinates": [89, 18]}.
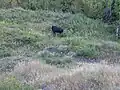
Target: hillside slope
{"type": "Point", "coordinates": [26, 36]}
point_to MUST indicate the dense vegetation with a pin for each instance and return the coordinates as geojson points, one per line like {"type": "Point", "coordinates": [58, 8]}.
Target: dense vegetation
{"type": "Point", "coordinates": [25, 36]}
{"type": "Point", "coordinates": [91, 8]}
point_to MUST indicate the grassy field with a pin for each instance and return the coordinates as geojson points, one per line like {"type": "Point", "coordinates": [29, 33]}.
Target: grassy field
{"type": "Point", "coordinates": [31, 56]}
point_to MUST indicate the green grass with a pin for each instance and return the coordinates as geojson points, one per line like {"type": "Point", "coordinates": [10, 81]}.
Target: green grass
{"type": "Point", "coordinates": [91, 8]}
{"type": "Point", "coordinates": [11, 40]}
{"type": "Point", "coordinates": [11, 83]}
{"type": "Point", "coordinates": [26, 33]}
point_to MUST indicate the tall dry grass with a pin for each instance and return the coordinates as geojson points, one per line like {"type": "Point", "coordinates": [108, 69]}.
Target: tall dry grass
{"type": "Point", "coordinates": [83, 77]}
{"type": "Point", "coordinates": [35, 73]}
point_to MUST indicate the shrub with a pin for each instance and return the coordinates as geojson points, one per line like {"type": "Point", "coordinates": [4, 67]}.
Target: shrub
{"type": "Point", "coordinates": [116, 12]}
{"type": "Point", "coordinates": [89, 51]}
{"type": "Point", "coordinates": [11, 83]}
{"type": "Point", "coordinates": [91, 8]}
{"type": "Point", "coordinates": [4, 52]}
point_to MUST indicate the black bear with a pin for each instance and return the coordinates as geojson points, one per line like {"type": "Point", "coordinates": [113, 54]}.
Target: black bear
{"type": "Point", "coordinates": [118, 31]}
{"type": "Point", "coordinates": [108, 12]}
{"type": "Point", "coordinates": [56, 29]}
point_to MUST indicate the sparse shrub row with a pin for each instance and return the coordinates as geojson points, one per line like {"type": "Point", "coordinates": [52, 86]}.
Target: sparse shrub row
{"type": "Point", "coordinates": [92, 8]}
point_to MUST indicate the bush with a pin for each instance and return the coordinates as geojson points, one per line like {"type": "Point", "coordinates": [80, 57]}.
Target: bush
{"type": "Point", "coordinates": [88, 51]}
{"type": "Point", "coordinates": [11, 83]}
{"type": "Point", "coordinates": [5, 52]}
{"type": "Point", "coordinates": [58, 61]}
{"type": "Point", "coordinates": [84, 47]}
{"type": "Point", "coordinates": [91, 8]}
{"type": "Point", "coordinates": [116, 12]}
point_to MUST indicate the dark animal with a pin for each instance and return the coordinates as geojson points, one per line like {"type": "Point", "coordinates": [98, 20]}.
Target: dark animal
{"type": "Point", "coordinates": [118, 32]}
{"type": "Point", "coordinates": [56, 29]}
{"type": "Point", "coordinates": [107, 13]}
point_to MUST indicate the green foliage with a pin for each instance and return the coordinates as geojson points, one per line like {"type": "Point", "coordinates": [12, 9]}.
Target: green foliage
{"type": "Point", "coordinates": [19, 38]}
{"type": "Point", "coordinates": [80, 25]}
{"type": "Point", "coordinates": [16, 39]}
{"type": "Point", "coordinates": [4, 51]}
{"type": "Point", "coordinates": [11, 83]}
{"type": "Point", "coordinates": [116, 12]}
{"type": "Point", "coordinates": [88, 51]}
{"type": "Point", "coordinates": [58, 61]}
{"type": "Point", "coordinates": [84, 47]}
{"type": "Point", "coordinates": [4, 3]}
{"type": "Point", "coordinates": [55, 59]}
{"type": "Point", "coordinates": [24, 32]}
{"type": "Point", "coordinates": [79, 30]}
{"type": "Point", "coordinates": [91, 8]}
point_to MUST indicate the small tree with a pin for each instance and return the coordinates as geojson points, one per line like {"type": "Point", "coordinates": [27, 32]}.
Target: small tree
{"type": "Point", "coordinates": [14, 2]}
